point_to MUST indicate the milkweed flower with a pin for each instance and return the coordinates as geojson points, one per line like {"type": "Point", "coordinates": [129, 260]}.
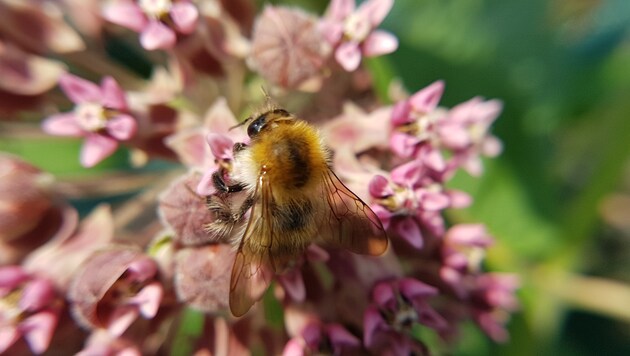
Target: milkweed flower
{"type": "Point", "coordinates": [157, 21]}
{"type": "Point", "coordinates": [29, 309]}
{"type": "Point", "coordinates": [353, 32]}
{"type": "Point", "coordinates": [114, 287]}
{"type": "Point", "coordinates": [100, 115]}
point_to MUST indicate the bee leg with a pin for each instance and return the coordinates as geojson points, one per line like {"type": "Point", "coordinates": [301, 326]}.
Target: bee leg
{"type": "Point", "coordinates": [221, 186]}
{"type": "Point", "coordinates": [242, 210]}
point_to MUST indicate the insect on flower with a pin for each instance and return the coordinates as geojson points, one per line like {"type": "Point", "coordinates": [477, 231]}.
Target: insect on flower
{"type": "Point", "coordinates": [293, 198]}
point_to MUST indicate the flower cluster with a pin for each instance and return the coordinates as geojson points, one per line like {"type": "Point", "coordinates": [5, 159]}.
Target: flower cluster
{"type": "Point", "coordinates": [127, 279]}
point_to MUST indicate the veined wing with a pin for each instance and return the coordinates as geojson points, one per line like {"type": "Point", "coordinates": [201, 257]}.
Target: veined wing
{"type": "Point", "coordinates": [253, 267]}
{"type": "Point", "coordinates": [349, 222]}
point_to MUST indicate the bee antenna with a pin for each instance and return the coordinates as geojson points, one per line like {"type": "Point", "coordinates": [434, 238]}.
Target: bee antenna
{"type": "Point", "coordinates": [240, 123]}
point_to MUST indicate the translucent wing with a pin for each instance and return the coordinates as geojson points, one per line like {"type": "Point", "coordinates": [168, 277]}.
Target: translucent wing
{"type": "Point", "coordinates": [350, 223]}
{"type": "Point", "coordinates": [253, 267]}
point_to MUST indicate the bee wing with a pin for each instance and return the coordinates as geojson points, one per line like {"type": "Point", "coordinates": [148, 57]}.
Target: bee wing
{"type": "Point", "coordinates": [253, 267]}
{"type": "Point", "coordinates": [350, 223]}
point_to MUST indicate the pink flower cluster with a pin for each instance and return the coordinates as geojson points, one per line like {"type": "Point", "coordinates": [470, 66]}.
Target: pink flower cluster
{"type": "Point", "coordinates": [129, 278]}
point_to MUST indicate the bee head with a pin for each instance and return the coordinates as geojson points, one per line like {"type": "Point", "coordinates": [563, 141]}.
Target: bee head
{"type": "Point", "coordinates": [262, 121]}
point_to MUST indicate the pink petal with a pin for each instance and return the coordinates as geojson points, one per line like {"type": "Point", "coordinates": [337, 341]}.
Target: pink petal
{"type": "Point", "coordinates": [11, 277]}
{"type": "Point", "coordinates": [491, 146]}
{"type": "Point", "coordinates": [454, 136]}
{"type": "Point", "coordinates": [384, 215]}
{"type": "Point", "coordinates": [141, 269]}
{"type": "Point", "coordinates": [375, 10]}
{"type": "Point", "coordinates": [434, 201]}
{"type": "Point", "coordinates": [122, 127]}
{"type": "Point", "coordinates": [293, 284]}
{"type": "Point", "coordinates": [206, 185]}
{"type": "Point", "coordinates": [383, 295]}
{"type": "Point", "coordinates": [379, 187]}
{"type": "Point", "coordinates": [408, 174]}
{"type": "Point", "coordinates": [184, 15]}
{"type": "Point", "coordinates": [38, 330]}
{"type": "Point", "coordinates": [469, 235]}
{"type": "Point", "coordinates": [126, 14]}
{"type": "Point", "coordinates": [96, 148]}
{"type": "Point", "coordinates": [79, 90]}
{"type": "Point", "coordinates": [157, 36]}
{"type": "Point", "coordinates": [403, 145]}
{"type": "Point", "coordinates": [121, 319]}
{"type": "Point", "coordinates": [64, 124]}
{"type": "Point", "coordinates": [331, 30]}
{"type": "Point", "coordinates": [312, 335]}
{"type": "Point", "coordinates": [294, 347]}
{"type": "Point", "coordinates": [427, 99]}
{"type": "Point", "coordinates": [412, 288]}
{"type": "Point", "coordinates": [401, 113]}
{"type": "Point", "coordinates": [459, 199]}
{"type": "Point", "coordinates": [113, 95]}
{"type": "Point", "coordinates": [149, 299]}
{"type": "Point", "coordinates": [372, 320]}
{"type": "Point", "coordinates": [434, 160]}
{"type": "Point", "coordinates": [348, 55]}
{"type": "Point", "coordinates": [408, 229]}
{"type": "Point", "coordinates": [379, 43]}
{"type": "Point", "coordinates": [36, 295]}
{"type": "Point", "coordinates": [220, 145]}
{"type": "Point", "coordinates": [339, 336]}
{"type": "Point", "coordinates": [340, 9]}
{"type": "Point", "coordinates": [8, 336]}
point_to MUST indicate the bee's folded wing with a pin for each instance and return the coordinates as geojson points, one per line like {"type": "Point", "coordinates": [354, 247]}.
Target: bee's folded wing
{"type": "Point", "coordinates": [349, 222]}
{"type": "Point", "coordinates": [253, 268]}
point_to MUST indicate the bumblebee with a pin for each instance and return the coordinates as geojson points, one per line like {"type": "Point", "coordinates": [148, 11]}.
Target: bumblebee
{"type": "Point", "coordinates": [294, 199]}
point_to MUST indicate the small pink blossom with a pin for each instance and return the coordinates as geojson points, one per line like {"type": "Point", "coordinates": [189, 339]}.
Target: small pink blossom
{"type": "Point", "coordinates": [114, 287]}
{"type": "Point", "coordinates": [318, 338]}
{"type": "Point", "coordinates": [287, 49]}
{"type": "Point", "coordinates": [30, 309]}
{"type": "Point", "coordinates": [100, 116]}
{"type": "Point", "coordinates": [494, 299]}
{"type": "Point", "coordinates": [410, 202]}
{"type": "Point", "coordinates": [353, 32]}
{"type": "Point", "coordinates": [462, 252]}
{"type": "Point", "coordinates": [397, 306]}
{"type": "Point", "coordinates": [424, 131]}
{"type": "Point", "coordinates": [157, 21]}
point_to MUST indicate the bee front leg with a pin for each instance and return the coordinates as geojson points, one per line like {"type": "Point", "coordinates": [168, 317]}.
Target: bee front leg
{"type": "Point", "coordinates": [221, 186]}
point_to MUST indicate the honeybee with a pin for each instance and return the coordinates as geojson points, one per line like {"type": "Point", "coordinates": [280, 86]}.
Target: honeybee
{"type": "Point", "coordinates": [294, 199]}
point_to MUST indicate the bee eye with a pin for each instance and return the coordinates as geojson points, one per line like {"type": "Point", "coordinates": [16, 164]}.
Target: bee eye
{"type": "Point", "coordinates": [256, 126]}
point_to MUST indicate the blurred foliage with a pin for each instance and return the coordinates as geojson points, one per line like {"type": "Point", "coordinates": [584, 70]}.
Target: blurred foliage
{"type": "Point", "coordinates": [562, 70]}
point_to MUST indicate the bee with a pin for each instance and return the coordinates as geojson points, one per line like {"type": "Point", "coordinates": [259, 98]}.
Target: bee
{"type": "Point", "coordinates": [294, 199]}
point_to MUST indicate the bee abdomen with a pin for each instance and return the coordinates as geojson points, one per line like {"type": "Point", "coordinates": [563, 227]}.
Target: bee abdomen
{"type": "Point", "coordinates": [294, 216]}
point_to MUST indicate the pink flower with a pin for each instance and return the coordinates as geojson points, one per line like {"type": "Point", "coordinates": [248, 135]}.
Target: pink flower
{"type": "Point", "coordinates": [412, 202]}
{"type": "Point", "coordinates": [397, 306]}
{"type": "Point", "coordinates": [462, 252]}
{"type": "Point", "coordinates": [113, 287]}
{"type": "Point", "coordinates": [30, 309]}
{"type": "Point", "coordinates": [157, 21]}
{"type": "Point", "coordinates": [209, 146]}
{"type": "Point", "coordinates": [318, 338]}
{"type": "Point", "coordinates": [353, 32]}
{"type": "Point", "coordinates": [494, 298]}
{"type": "Point", "coordinates": [424, 131]}
{"type": "Point", "coordinates": [287, 49]}
{"type": "Point", "coordinates": [100, 115]}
